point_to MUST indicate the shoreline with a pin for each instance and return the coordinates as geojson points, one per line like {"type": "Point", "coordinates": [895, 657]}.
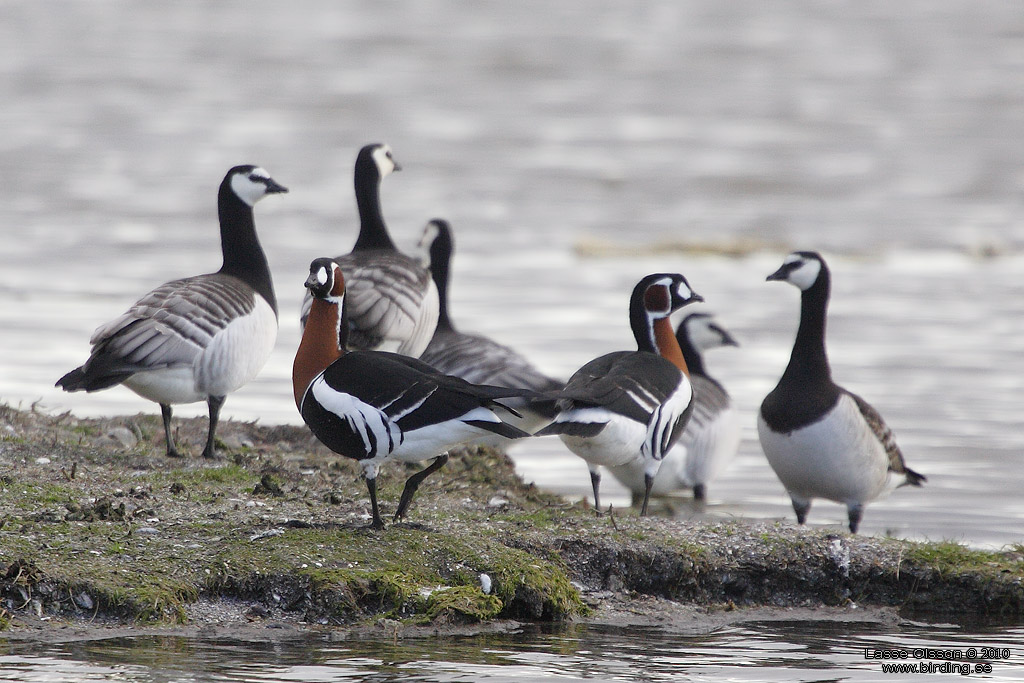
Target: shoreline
{"type": "Point", "coordinates": [101, 533]}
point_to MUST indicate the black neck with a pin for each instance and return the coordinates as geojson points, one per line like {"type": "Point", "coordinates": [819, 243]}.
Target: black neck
{"type": "Point", "coordinates": [809, 358]}
{"type": "Point", "coordinates": [641, 325]}
{"type": "Point", "coordinates": [243, 255]}
{"type": "Point", "coordinates": [693, 358]}
{"type": "Point", "coordinates": [440, 258]}
{"type": "Point", "coordinates": [373, 232]}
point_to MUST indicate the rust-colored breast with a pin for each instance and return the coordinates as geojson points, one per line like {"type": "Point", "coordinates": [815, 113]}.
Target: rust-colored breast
{"type": "Point", "coordinates": [318, 347]}
{"type": "Point", "coordinates": [668, 346]}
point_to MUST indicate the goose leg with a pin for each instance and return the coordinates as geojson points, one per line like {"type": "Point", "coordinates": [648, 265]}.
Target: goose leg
{"type": "Point", "coordinates": [700, 493]}
{"type": "Point", "coordinates": [413, 483]}
{"type": "Point", "coordinates": [595, 481]}
{"type": "Point", "coordinates": [801, 507]}
{"type": "Point", "coordinates": [854, 511]}
{"type": "Point", "coordinates": [165, 413]}
{"type": "Point", "coordinates": [214, 402]}
{"type": "Point", "coordinates": [371, 485]}
{"type": "Point", "coordinates": [648, 484]}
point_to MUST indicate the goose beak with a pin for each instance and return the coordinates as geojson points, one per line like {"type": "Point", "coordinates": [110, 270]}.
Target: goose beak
{"type": "Point", "coordinates": [783, 272]}
{"type": "Point", "coordinates": [312, 281]}
{"type": "Point", "coordinates": [273, 187]}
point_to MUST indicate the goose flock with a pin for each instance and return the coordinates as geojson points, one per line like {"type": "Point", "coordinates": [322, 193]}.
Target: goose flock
{"type": "Point", "coordinates": [382, 373]}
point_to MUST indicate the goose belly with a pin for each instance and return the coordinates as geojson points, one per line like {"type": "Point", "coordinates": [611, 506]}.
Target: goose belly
{"type": "Point", "coordinates": [618, 443]}
{"type": "Point", "coordinates": [166, 385]}
{"type": "Point", "coordinates": [837, 457]}
{"type": "Point", "coordinates": [433, 440]}
{"type": "Point", "coordinates": [708, 448]}
{"type": "Point", "coordinates": [238, 352]}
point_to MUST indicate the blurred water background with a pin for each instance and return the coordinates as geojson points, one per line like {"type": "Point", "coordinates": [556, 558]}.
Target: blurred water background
{"type": "Point", "coordinates": [575, 146]}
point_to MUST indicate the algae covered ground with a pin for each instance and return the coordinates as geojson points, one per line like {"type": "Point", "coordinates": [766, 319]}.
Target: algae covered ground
{"type": "Point", "coordinates": [98, 528]}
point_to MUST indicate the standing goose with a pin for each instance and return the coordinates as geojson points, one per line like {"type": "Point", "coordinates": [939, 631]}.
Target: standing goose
{"type": "Point", "coordinates": [198, 338]}
{"type": "Point", "coordinates": [712, 435]}
{"type": "Point", "coordinates": [473, 357]}
{"type": "Point", "coordinates": [630, 406]}
{"type": "Point", "coordinates": [392, 300]}
{"type": "Point", "coordinates": [376, 406]}
{"type": "Point", "coordinates": [822, 440]}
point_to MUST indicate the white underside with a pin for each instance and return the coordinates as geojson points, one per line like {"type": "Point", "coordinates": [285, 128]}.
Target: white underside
{"type": "Point", "coordinates": [837, 458]}
{"type": "Point", "coordinates": [698, 458]}
{"type": "Point", "coordinates": [388, 441]}
{"type": "Point", "coordinates": [234, 356]}
{"type": "Point", "coordinates": [620, 442]}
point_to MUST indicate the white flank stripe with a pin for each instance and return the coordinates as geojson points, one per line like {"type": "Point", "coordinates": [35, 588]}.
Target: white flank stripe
{"type": "Point", "coordinates": [363, 418]}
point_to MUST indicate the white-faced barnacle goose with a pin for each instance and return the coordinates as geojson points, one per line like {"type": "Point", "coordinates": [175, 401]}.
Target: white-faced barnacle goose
{"type": "Point", "coordinates": [474, 357]}
{"type": "Point", "coordinates": [822, 440]}
{"type": "Point", "coordinates": [392, 300]}
{"type": "Point", "coordinates": [711, 437]}
{"type": "Point", "coordinates": [377, 406]}
{"type": "Point", "coordinates": [198, 338]}
{"type": "Point", "coordinates": [631, 405]}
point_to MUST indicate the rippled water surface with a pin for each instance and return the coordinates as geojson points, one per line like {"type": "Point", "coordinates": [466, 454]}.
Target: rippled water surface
{"type": "Point", "coordinates": [886, 135]}
{"type": "Point", "coordinates": [770, 651]}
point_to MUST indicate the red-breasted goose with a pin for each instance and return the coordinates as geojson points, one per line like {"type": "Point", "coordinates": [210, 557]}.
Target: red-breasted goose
{"type": "Point", "coordinates": [392, 300]}
{"type": "Point", "coordinates": [822, 440]}
{"type": "Point", "coordinates": [474, 357]}
{"type": "Point", "coordinates": [377, 406]}
{"type": "Point", "coordinates": [631, 405]}
{"type": "Point", "coordinates": [712, 436]}
{"type": "Point", "coordinates": [198, 338]}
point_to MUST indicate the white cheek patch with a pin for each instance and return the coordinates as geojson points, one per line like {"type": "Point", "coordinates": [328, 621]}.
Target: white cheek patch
{"type": "Point", "coordinates": [321, 276]}
{"type": "Point", "coordinates": [701, 334]}
{"type": "Point", "coordinates": [382, 157]}
{"type": "Point", "coordinates": [683, 291]}
{"type": "Point", "coordinates": [804, 275]}
{"type": "Point", "coordinates": [247, 190]}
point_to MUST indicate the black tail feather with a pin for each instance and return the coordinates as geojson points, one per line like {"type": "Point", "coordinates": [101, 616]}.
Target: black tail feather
{"type": "Point", "coordinates": [78, 380]}
{"type": "Point", "coordinates": [572, 428]}
{"type": "Point", "coordinates": [500, 428]}
{"type": "Point", "coordinates": [913, 478]}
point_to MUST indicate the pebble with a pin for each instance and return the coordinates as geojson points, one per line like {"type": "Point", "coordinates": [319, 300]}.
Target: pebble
{"type": "Point", "coordinates": [122, 436]}
{"type": "Point", "coordinates": [147, 530]}
{"type": "Point", "coordinates": [84, 601]}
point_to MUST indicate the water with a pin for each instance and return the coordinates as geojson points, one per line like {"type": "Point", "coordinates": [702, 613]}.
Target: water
{"type": "Point", "coordinates": [758, 651]}
{"type": "Point", "coordinates": [885, 135]}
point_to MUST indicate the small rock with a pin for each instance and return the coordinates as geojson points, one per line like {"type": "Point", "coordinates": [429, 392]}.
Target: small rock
{"type": "Point", "coordinates": [257, 612]}
{"type": "Point", "coordinates": [43, 461]}
{"type": "Point", "coordinates": [147, 530]}
{"type": "Point", "coordinates": [122, 436]}
{"type": "Point", "coordinates": [84, 601]}
{"type": "Point", "coordinates": [485, 584]}
{"type": "Point", "coordinates": [497, 502]}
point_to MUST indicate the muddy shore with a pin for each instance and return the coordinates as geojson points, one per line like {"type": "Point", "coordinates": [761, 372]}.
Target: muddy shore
{"type": "Point", "coordinates": [99, 529]}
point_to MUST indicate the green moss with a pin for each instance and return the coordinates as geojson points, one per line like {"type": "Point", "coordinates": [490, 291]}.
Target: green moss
{"type": "Point", "coordinates": [948, 558]}
{"type": "Point", "coordinates": [226, 474]}
{"type": "Point", "coordinates": [462, 603]}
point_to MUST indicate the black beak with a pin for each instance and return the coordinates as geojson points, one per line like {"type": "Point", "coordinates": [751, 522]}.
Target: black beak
{"type": "Point", "coordinates": [781, 274]}
{"type": "Point", "coordinates": [273, 187]}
